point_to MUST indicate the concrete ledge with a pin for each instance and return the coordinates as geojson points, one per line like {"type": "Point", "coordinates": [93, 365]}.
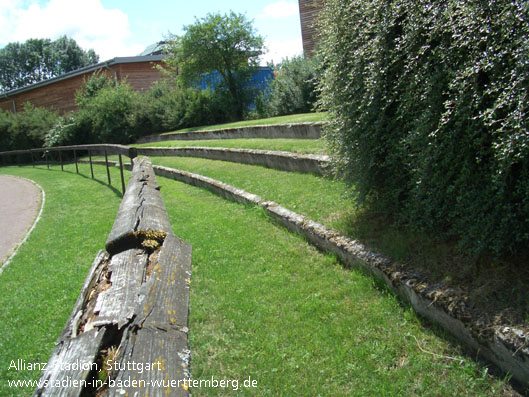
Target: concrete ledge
{"type": "Point", "coordinates": [505, 347]}
{"type": "Point", "coordinates": [286, 161]}
{"type": "Point", "coordinates": [294, 131]}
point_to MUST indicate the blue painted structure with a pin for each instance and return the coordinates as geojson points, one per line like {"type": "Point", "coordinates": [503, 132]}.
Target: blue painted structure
{"type": "Point", "coordinates": [260, 80]}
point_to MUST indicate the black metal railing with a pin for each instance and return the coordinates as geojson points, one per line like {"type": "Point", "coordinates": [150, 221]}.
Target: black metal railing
{"type": "Point", "coordinates": [106, 149]}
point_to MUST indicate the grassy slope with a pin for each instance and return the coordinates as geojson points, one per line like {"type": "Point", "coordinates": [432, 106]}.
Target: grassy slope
{"type": "Point", "coordinates": [294, 118]}
{"type": "Point", "coordinates": [320, 199]}
{"type": "Point", "coordinates": [498, 289]}
{"type": "Point", "coordinates": [316, 146]}
{"type": "Point", "coordinates": [264, 303]}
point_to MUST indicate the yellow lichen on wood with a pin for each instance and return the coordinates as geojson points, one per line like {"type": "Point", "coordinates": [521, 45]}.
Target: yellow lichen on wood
{"type": "Point", "coordinates": [150, 239]}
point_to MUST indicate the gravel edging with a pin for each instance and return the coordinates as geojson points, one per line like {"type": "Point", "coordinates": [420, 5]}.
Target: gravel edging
{"type": "Point", "coordinates": [505, 347]}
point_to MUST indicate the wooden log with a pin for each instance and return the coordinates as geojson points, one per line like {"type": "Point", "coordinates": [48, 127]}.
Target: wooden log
{"type": "Point", "coordinates": [142, 208]}
{"type": "Point", "coordinates": [168, 285]}
{"type": "Point", "coordinates": [164, 360]}
{"type": "Point", "coordinates": [116, 304]}
{"type": "Point", "coordinates": [157, 338]}
{"type": "Point", "coordinates": [132, 311]}
{"type": "Point", "coordinates": [72, 363]}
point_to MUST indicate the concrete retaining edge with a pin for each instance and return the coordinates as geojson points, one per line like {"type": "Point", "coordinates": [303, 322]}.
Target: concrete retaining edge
{"type": "Point", "coordinates": [286, 161]}
{"type": "Point", "coordinates": [293, 131]}
{"type": "Point", "coordinates": [505, 347]}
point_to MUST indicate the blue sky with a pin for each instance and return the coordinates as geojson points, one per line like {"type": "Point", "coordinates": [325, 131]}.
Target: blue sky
{"type": "Point", "coordinates": [115, 28]}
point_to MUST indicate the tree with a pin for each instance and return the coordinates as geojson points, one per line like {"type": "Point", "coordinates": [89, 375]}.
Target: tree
{"type": "Point", "coordinates": [227, 44]}
{"type": "Point", "coordinates": [22, 64]}
{"type": "Point", "coordinates": [293, 90]}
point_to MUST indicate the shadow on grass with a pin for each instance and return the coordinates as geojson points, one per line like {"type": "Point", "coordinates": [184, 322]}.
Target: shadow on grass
{"type": "Point", "coordinates": [116, 191]}
{"type": "Point", "coordinates": [496, 286]}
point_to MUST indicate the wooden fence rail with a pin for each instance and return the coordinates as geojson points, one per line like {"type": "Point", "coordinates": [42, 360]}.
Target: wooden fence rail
{"type": "Point", "coordinates": [127, 334]}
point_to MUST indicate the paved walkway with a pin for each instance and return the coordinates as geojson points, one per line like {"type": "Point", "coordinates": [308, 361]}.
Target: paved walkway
{"type": "Point", "coordinates": [19, 206]}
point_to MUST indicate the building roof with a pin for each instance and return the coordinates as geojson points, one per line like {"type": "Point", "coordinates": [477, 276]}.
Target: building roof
{"type": "Point", "coordinates": [86, 69]}
{"type": "Point", "coordinates": [154, 49]}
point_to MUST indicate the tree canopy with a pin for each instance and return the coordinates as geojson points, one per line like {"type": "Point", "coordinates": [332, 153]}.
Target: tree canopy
{"type": "Point", "coordinates": [225, 43]}
{"type": "Point", "coordinates": [22, 64]}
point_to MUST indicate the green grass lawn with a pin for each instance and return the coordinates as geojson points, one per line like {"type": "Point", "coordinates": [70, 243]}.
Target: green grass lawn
{"type": "Point", "coordinates": [264, 303]}
{"type": "Point", "coordinates": [40, 286]}
{"type": "Point", "coordinates": [267, 305]}
{"type": "Point", "coordinates": [290, 119]}
{"type": "Point", "coordinates": [496, 289]}
{"type": "Point", "coordinates": [315, 146]}
{"type": "Point", "coordinates": [321, 199]}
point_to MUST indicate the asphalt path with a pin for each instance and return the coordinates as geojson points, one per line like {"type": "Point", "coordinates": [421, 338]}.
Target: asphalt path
{"type": "Point", "coordinates": [20, 202]}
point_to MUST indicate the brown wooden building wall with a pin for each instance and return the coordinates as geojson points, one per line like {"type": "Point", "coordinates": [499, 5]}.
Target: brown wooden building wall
{"type": "Point", "coordinates": [60, 95]}
{"type": "Point", "coordinates": [308, 13]}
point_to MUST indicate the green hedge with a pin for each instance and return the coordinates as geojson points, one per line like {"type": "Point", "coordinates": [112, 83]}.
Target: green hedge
{"type": "Point", "coordinates": [25, 129]}
{"type": "Point", "coordinates": [428, 103]}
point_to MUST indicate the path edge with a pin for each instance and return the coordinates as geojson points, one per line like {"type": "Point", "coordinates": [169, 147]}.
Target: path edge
{"type": "Point", "coordinates": [37, 218]}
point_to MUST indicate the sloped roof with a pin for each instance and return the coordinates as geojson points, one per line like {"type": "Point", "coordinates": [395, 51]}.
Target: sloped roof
{"type": "Point", "coordinates": [86, 69]}
{"type": "Point", "coordinates": [153, 49]}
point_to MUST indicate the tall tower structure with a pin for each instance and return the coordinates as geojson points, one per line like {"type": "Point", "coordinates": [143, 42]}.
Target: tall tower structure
{"type": "Point", "coordinates": [308, 13]}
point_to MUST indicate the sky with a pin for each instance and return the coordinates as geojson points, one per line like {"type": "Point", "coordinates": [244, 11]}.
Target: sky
{"type": "Point", "coordinates": [118, 28]}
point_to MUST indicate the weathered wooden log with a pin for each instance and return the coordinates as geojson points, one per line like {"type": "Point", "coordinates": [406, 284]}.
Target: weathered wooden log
{"type": "Point", "coordinates": [128, 330]}
{"type": "Point", "coordinates": [142, 208]}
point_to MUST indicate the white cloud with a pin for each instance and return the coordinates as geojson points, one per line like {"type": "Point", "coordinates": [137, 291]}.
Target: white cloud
{"type": "Point", "coordinates": [280, 9]}
{"type": "Point", "coordinates": [86, 21]}
{"type": "Point", "coordinates": [281, 49]}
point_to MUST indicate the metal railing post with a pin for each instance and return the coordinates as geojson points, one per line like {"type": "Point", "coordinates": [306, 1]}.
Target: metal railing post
{"type": "Point", "coordinates": [91, 167]}
{"type": "Point", "coordinates": [121, 171]}
{"type": "Point", "coordinates": [108, 170]}
{"type": "Point", "coordinates": [75, 159]}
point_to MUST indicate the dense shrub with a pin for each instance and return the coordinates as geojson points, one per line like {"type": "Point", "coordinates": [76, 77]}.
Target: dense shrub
{"type": "Point", "coordinates": [25, 129]}
{"type": "Point", "coordinates": [293, 89]}
{"type": "Point", "coordinates": [6, 120]}
{"type": "Point", "coordinates": [111, 112]}
{"type": "Point", "coordinates": [428, 106]}
{"type": "Point", "coordinates": [107, 114]}
{"type": "Point", "coordinates": [167, 107]}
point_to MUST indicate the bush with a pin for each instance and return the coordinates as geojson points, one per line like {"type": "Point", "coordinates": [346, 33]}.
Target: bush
{"type": "Point", "coordinates": [25, 129]}
{"type": "Point", "coordinates": [107, 114]}
{"type": "Point", "coordinates": [112, 113]}
{"type": "Point", "coordinates": [428, 107]}
{"type": "Point", "coordinates": [293, 89]}
{"type": "Point", "coordinates": [6, 121]}
{"type": "Point", "coordinates": [167, 107]}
